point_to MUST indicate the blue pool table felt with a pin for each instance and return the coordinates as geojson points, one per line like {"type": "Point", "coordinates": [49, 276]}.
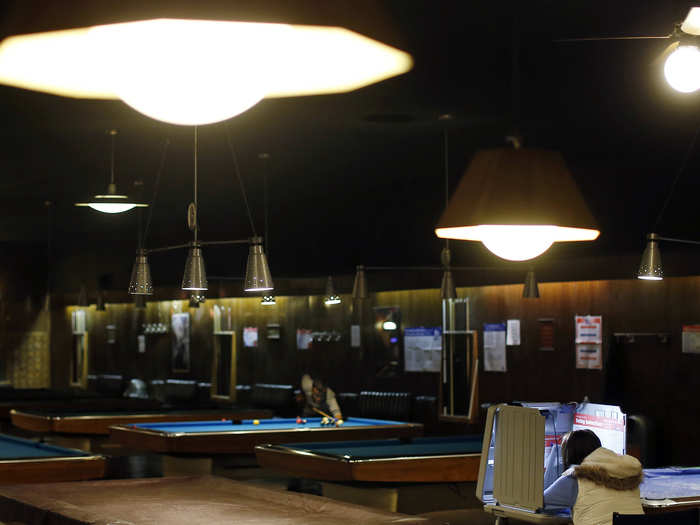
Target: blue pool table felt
{"type": "Point", "coordinates": [388, 448]}
{"type": "Point", "coordinates": [194, 427]}
{"type": "Point", "coordinates": [670, 482]}
{"type": "Point", "coordinates": [17, 448]}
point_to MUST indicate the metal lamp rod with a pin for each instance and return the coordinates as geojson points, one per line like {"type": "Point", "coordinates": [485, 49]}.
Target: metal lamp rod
{"type": "Point", "coordinates": [655, 237]}
{"type": "Point", "coordinates": [441, 268]}
{"type": "Point", "coordinates": [201, 243]}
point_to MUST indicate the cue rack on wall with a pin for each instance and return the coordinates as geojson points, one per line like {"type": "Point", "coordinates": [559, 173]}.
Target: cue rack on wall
{"type": "Point", "coordinates": [460, 363]}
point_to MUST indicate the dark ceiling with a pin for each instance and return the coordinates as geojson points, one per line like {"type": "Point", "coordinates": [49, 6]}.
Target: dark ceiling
{"type": "Point", "coordinates": [358, 178]}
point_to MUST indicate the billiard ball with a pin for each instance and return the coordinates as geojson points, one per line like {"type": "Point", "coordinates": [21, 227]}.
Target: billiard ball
{"type": "Point", "coordinates": [298, 420]}
{"type": "Point", "coordinates": [303, 421]}
{"type": "Point", "coordinates": [256, 422]}
{"type": "Point", "coordinates": [324, 421]}
{"type": "Point", "coordinates": [339, 423]}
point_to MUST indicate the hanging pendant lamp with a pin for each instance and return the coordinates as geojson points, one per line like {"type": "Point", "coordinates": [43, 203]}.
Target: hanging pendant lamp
{"type": "Point", "coordinates": [141, 283]}
{"type": "Point", "coordinates": [517, 202]}
{"type": "Point", "coordinates": [331, 297]}
{"type": "Point", "coordinates": [359, 285]}
{"type": "Point", "coordinates": [195, 276]}
{"type": "Point", "coordinates": [530, 288]}
{"type": "Point", "coordinates": [257, 273]}
{"type": "Point", "coordinates": [650, 268]}
{"type": "Point", "coordinates": [112, 201]}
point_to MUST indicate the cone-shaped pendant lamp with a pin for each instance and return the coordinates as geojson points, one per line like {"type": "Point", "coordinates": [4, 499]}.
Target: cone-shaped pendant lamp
{"type": "Point", "coordinates": [100, 302]}
{"type": "Point", "coordinates": [331, 297]}
{"type": "Point", "coordinates": [530, 288]}
{"type": "Point", "coordinates": [447, 287]}
{"type": "Point", "coordinates": [141, 283]}
{"type": "Point", "coordinates": [195, 277]}
{"type": "Point", "coordinates": [650, 268]}
{"type": "Point", "coordinates": [257, 273]}
{"type": "Point", "coordinates": [517, 202]}
{"type": "Point", "coordinates": [359, 285]}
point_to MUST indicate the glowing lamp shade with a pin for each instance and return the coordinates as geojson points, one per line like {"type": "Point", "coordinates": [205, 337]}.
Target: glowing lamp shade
{"type": "Point", "coordinates": [257, 273]}
{"type": "Point", "coordinates": [111, 202]}
{"type": "Point", "coordinates": [196, 71]}
{"type": "Point", "coordinates": [389, 325]}
{"type": "Point", "coordinates": [517, 202]}
{"type": "Point", "coordinates": [331, 297]}
{"type": "Point", "coordinates": [650, 268]}
{"type": "Point", "coordinates": [682, 69]}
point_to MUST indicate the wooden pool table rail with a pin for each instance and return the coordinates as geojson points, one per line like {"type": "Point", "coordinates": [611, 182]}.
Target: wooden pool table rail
{"type": "Point", "coordinates": [438, 468]}
{"type": "Point", "coordinates": [244, 441]}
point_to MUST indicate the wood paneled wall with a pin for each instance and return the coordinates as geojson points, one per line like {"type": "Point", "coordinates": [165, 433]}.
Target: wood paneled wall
{"type": "Point", "coordinates": [646, 376]}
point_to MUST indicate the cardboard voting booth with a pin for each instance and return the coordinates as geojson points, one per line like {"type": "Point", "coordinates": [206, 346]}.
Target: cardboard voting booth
{"type": "Point", "coordinates": [521, 453]}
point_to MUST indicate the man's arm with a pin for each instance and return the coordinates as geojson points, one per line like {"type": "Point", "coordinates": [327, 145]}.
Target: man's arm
{"type": "Point", "coordinates": [333, 404]}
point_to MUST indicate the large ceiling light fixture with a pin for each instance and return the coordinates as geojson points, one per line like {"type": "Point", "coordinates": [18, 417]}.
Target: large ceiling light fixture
{"type": "Point", "coordinates": [196, 71]}
{"type": "Point", "coordinates": [112, 201]}
{"type": "Point", "coordinates": [517, 202]}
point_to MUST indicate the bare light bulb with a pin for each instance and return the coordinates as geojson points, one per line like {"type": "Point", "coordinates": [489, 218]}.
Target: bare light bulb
{"type": "Point", "coordinates": [682, 69]}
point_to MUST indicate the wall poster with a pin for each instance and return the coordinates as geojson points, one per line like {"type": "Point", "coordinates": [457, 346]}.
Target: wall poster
{"type": "Point", "coordinates": [181, 342]}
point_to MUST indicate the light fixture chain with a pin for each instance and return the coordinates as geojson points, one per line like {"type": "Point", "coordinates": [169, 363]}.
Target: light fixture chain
{"type": "Point", "coordinates": [240, 181]}
{"type": "Point", "coordinates": [680, 171]}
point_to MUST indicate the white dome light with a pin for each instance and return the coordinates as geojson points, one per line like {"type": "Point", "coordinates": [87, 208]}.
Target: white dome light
{"type": "Point", "coordinates": [194, 72]}
{"type": "Point", "coordinates": [682, 69]}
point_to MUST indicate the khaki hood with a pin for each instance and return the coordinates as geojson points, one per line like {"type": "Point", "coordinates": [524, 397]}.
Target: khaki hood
{"type": "Point", "coordinates": [604, 467]}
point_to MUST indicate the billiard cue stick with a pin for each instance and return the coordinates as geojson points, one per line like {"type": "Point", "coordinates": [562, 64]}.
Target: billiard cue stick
{"type": "Point", "coordinates": [322, 413]}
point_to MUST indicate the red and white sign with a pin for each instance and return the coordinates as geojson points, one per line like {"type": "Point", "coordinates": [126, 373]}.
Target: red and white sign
{"type": "Point", "coordinates": [589, 329]}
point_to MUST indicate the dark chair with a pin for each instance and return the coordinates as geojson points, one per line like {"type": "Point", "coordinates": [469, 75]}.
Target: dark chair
{"type": "Point", "coordinates": [348, 402]}
{"type": "Point", "coordinates": [279, 398]}
{"type": "Point", "coordinates": [110, 385]}
{"type": "Point", "coordinates": [680, 517]}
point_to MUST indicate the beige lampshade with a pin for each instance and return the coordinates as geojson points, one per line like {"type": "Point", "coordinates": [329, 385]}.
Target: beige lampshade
{"type": "Point", "coordinates": [517, 202]}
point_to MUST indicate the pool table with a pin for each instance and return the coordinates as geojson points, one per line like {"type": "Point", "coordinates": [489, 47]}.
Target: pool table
{"type": "Point", "coordinates": [671, 488]}
{"type": "Point", "coordinates": [226, 437]}
{"type": "Point", "coordinates": [201, 500]}
{"type": "Point", "coordinates": [423, 459]}
{"type": "Point", "coordinates": [90, 422]}
{"type": "Point", "coordinates": [25, 461]}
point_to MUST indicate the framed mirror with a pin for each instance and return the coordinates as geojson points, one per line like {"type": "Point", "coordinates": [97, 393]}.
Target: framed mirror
{"type": "Point", "coordinates": [79, 361]}
{"type": "Point", "coordinates": [223, 377]}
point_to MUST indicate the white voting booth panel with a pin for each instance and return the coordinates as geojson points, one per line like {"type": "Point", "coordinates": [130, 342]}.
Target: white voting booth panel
{"type": "Point", "coordinates": [520, 454]}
